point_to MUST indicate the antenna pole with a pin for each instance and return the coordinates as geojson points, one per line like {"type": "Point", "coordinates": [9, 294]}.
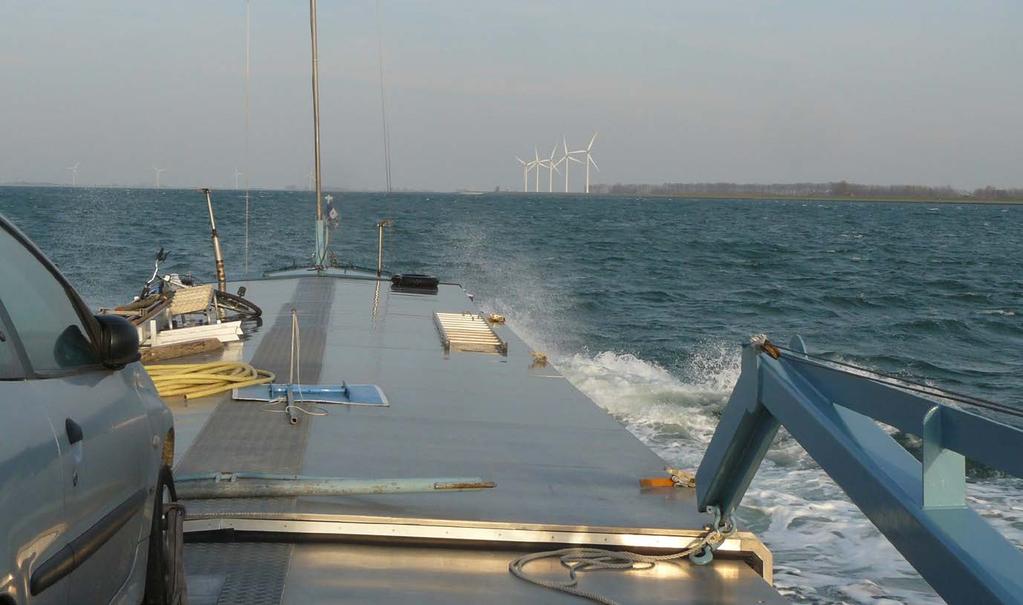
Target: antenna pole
{"type": "Point", "coordinates": [383, 101]}
{"type": "Point", "coordinates": [321, 228]}
{"type": "Point", "coordinates": [217, 255]}
{"type": "Point", "coordinates": [248, 111]}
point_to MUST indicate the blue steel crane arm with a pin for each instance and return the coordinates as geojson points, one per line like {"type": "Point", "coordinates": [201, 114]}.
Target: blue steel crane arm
{"type": "Point", "coordinates": [920, 507]}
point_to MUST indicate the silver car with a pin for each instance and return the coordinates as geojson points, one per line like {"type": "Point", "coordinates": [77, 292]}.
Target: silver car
{"type": "Point", "coordinates": [85, 446]}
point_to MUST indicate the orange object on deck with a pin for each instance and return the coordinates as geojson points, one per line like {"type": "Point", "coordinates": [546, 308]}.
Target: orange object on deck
{"type": "Point", "coordinates": [649, 482]}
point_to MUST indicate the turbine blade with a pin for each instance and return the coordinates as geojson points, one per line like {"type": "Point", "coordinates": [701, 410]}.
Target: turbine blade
{"type": "Point", "coordinates": [564, 142]}
{"type": "Point", "coordinates": [590, 146]}
{"type": "Point", "coordinates": [592, 161]}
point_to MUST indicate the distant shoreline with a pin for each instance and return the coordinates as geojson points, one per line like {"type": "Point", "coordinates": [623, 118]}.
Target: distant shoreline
{"type": "Point", "coordinates": [696, 196]}
{"type": "Point", "coordinates": [817, 198]}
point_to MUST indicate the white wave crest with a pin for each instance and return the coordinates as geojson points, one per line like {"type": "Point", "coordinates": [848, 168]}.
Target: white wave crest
{"type": "Point", "coordinates": [820, 539]}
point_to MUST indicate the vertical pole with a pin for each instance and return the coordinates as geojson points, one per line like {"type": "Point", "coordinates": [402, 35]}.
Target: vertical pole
{"type": "Point", "coordinates": [248, 111]}
{"type": "Point", "coordinates": [380, 244]}
{"type": "Point", "coordinates": [383, 101]}
{"type": "Point", "coordinates": [321, 239]}
{"type": "Point", "coordinates": [380, 248]}
{"type": "Point", "coordinates": [217, 255]}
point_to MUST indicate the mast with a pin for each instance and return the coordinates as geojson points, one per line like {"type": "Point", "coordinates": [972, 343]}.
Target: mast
{"type": "Point", "coordinates": [321, 227]}
{"type": "Point", "coordinates": [217, 254]}
{"type": "Point", "coordinates": [248, 112]}
{"type": "Point", "coordinates": [383, 101]}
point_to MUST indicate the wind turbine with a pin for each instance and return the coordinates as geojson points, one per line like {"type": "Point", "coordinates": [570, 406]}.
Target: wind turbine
{"type": "Point", "coordinates": [158, 172]}
{"type": "Point", "coordinates": [551, 167]}
{"type": "Point", "coordinates": [589, 160]}
{"type": "Point", "coordinates": [526, 167]}
{"type": "Point", "coordinates": [74, 174]}
{"type": "Point", "coordinates": [237, 173]}
{"type": "Point", "coordinates": [537, 163]}
{"type": "Point", "coordinates": [567, 158]}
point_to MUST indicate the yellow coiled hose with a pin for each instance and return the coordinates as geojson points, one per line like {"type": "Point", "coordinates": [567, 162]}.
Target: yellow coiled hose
{"type": "Point", "coordinates": [192, 380]}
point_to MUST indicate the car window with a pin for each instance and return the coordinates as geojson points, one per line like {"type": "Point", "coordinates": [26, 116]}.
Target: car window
{"type": "Point", "coordinates": [9, 366]}
{"type": "Point", "coordinates": [40, 311]}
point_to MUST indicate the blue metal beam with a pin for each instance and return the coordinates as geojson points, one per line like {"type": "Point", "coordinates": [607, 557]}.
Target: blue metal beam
{"type": "Point", "coordinates": [978, 438]}
{"type": "Point", "coordinates": [919, 508]}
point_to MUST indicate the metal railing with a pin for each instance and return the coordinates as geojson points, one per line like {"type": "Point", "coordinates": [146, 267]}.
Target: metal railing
{"type": "Point", "coordinates": [920, 506]}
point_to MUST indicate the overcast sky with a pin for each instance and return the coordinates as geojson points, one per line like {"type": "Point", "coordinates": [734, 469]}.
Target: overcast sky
{"type": "Point", "coordinates": [927, 92]}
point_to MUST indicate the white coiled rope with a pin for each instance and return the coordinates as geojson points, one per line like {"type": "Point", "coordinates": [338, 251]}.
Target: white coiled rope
{"type": "Point", "coordinates": [595, 559]}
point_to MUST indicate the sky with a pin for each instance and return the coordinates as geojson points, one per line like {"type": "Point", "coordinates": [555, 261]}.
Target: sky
{"type": "Point", "coordinates": [872, 91]}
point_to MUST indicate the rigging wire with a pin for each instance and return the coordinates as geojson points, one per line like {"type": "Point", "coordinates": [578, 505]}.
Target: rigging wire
{"type": "Point", "coordinates": [248, 117]}
{"type": "Point", "coordinates": [899, 382]}
{"type": "Point", "coordinates": [383, 103]}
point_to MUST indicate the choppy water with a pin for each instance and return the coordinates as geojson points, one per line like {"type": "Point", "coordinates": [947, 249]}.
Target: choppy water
{"type": "Point", "coordinates": [643, 303]}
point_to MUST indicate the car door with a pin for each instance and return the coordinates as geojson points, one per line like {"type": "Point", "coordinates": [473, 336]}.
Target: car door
{"type": "Point", "coordinates": [32, 527]}
{"type": "Point", "coordinates": [98, 418]}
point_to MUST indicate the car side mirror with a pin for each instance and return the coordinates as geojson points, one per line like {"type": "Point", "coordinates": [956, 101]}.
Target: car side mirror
{"type": "Point", "coordinates": [118, 341]}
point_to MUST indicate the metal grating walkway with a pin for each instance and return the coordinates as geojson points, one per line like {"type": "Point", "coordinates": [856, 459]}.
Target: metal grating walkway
{"type": "Point", "coordinates": [242, 573]}
{"type": "Point", "coordinates": [242, 436]}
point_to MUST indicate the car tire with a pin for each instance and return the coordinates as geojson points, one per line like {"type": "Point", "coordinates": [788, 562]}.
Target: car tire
{"type": "Point", "coordinates": [165, 569]}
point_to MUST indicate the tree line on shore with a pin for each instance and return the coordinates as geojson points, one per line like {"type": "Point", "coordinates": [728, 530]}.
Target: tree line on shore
{"type": "Point", "coordinates": [837, 189]}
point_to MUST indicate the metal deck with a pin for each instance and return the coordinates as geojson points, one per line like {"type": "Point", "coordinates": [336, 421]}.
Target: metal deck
{"type": "Point", "coordinates": [566, 471]}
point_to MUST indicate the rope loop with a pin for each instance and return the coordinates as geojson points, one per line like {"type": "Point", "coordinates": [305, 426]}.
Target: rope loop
{"type": "Point", "coordinates": [579, 559]}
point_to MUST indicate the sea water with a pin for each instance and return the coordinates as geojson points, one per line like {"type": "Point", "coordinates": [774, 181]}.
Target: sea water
{"type": "Point", "coordinates": [643, 304]}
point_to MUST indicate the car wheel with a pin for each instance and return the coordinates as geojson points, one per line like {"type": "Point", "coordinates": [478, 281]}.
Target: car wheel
{"type": "Point", "coordinates": [165, 568]}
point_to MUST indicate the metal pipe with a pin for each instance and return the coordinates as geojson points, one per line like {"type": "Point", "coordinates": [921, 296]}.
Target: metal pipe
{"type": "Point", "coordinates": [380, 244]}
{"type": "Point", "coordinates": [316, 109]}
{"type": "Point", "coordinates": [260, 485]}
{"type": "Point", "coordinates": [217, 254]}
{"type": "Point", "coordinates": [290, 408]}
{"type": "Point", "coordinates": [321, 225]}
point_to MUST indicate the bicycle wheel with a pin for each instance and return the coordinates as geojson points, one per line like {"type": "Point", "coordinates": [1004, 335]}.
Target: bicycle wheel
{"type": "Point", "coordinates": [236, 307]}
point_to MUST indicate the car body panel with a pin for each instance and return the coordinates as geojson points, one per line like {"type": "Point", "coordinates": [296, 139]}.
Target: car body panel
{"type": "Point", "coordinates": [103, 470]}
{"type": "Point", "coordinates": [92, 499]}
{"type": "Point", "coordinates": [31, 494]}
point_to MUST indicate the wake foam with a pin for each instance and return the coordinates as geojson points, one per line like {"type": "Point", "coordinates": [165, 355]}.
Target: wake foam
{"type": "Point", "coordinates": [826, 550]}
{"type": "Point", "coordinates": [821, 541]}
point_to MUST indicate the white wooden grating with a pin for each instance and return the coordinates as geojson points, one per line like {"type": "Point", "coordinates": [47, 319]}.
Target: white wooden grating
{"type": "Point", "coordinates": [468, 332]}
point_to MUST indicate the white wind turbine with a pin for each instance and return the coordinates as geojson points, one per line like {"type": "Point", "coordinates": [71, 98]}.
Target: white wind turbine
{"type": "Point", "coordinates": [158, 172]}
{"type": "Point", "coordinates": [74, 174]}
{"type": "Point", "coordinates": [589, 160]}
{"type": "Point", "coordinates": [552, 166]}
{"type": "Point", "coordinates": [526, 167]}
{"type": "Point", "coordinates": [567, 158]}
{"type": "Point", "coordinates": [237, 173]}
{"type": "Point", "coordinates": [537, 163]}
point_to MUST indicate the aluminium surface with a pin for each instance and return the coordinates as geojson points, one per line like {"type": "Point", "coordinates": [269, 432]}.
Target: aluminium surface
{"type": "Point", "coordinates": [561, 463]}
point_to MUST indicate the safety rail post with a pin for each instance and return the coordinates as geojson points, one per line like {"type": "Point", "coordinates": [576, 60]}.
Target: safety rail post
{"type": "Point", "coordinates": [383, 223]}
{"type": "Point", "coordinates": [919, 507]}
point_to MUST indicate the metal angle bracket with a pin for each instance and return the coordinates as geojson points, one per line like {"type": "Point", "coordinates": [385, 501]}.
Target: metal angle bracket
{"type": "Point", "coordinates": [944, 471]}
